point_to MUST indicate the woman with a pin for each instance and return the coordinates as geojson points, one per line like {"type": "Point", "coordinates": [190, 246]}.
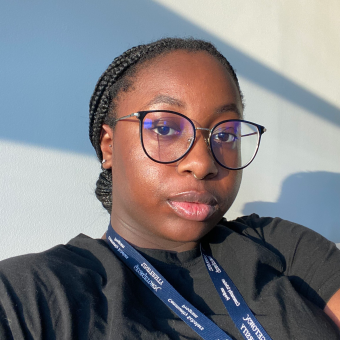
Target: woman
{"type": "Point", "coordinates": [166, 120]}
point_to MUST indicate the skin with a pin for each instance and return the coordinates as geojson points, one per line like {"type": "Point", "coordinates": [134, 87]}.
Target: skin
{"type": "Point", "coordinates": [141, 188]}
{"type": "Point", "coordinates": [332, 308]}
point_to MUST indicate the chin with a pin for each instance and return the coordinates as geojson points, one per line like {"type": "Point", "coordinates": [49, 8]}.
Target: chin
{"type": "Point", "coordinates": [189, 231]}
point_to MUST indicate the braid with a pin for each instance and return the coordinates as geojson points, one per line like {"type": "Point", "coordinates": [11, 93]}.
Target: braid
{"type": "Point", "coordinates": [101, 99]}
{"type": "Point", "coordinates": [118, 77]}
{"type": "Point", "coordinates": [104, 189]}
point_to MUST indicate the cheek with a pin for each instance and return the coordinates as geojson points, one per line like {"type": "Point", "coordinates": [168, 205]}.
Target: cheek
{"type": "Point", "coordinates": [135, 177]}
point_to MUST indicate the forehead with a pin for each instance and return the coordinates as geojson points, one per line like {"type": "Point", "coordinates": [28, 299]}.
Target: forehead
{"type": "Point", "coordinates": [196, 80]}
{"type": "Point", "coordinates": [191, 64]}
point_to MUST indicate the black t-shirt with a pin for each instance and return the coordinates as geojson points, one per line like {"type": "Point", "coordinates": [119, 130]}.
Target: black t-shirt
{"type": "Point", "coordinates": [81, 290]}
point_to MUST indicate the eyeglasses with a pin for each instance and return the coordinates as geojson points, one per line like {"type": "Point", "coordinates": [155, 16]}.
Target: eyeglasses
{"type": "Point", "coordinates": [168, 136]}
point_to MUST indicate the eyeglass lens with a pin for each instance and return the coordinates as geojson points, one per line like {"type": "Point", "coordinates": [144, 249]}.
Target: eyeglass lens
{"type": "Point", "coordinates": [167, 137]}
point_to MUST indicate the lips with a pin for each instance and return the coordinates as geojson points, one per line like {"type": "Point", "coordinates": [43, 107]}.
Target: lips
{"type": "Point", "coordinates": [192, 205]}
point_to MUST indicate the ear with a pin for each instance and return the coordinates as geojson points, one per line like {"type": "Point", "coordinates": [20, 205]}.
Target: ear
{"type": "Point", "coordinates": [106, 140]}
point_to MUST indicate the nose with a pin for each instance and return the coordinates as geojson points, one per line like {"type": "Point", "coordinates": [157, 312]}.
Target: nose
{"type": "Point", "coordinates": [199, 162]}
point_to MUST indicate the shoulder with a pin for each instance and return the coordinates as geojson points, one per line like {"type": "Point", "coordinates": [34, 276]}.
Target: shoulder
{"type": "Point", "coordinates": [75, 266]}
{"type": "Point", "coordinates": [78, 252]}
{"type": "Point", "coordinates": [278, 235]}
{"type": "Point", "coordinates": [36, 289]}
{"type": "Point", "coordinates": [294, 243]}
{"type": "Point", "coordinates": [262, 227]}
{"type": "Point", "coordinates": [310, 261]}
{"type": "Point", "coordinates": [260, 230]}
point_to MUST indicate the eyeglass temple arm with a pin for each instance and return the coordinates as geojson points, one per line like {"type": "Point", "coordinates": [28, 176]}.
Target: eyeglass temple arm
{"type": "Point", "coordinates": [262, 130]}
{"type": "Point", "coordinates": [136, 114]}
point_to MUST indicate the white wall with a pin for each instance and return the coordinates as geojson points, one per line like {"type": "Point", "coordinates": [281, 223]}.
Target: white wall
{"type": "Point", "coordinates": [286, 55]}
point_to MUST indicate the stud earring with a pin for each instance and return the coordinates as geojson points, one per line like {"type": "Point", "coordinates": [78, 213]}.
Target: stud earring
{"type": "Point", "coordinates": [103, 161]}
{"type": "Point", "coordinates": [110, 145]}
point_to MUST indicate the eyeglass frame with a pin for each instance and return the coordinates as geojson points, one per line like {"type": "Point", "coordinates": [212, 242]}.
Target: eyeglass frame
{"type": "Point", "coordinates": [140, 115]}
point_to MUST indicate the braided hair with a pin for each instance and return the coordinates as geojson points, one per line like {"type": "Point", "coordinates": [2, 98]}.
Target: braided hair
{"type": "Point", "coordinates": [119, 77]}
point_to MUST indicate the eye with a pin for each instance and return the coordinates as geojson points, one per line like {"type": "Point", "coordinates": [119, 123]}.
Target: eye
{"type": "Point", "coordinates": [164, 127]}
{"type": "Point", "coordinates": [165, 131]}
{"type": "Point", "coordinates": [224, 137]}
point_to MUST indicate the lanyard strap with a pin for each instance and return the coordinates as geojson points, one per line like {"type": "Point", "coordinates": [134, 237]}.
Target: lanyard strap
{"type": "Point", "coordinates": [240, 313]}
{"type": "Point", "coordinates": [204, 327]}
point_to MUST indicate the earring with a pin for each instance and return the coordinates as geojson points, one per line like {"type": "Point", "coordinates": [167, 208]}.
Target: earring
{"type": "Point", "coordinates": [103, 161]}
{"type": "Point", "coordinates": [110, 146]}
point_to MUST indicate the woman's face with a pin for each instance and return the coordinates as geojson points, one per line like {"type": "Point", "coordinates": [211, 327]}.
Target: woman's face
{"type": "Point", "coordinates": [164, 206]}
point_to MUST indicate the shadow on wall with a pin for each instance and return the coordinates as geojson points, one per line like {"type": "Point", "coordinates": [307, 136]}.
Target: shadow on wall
{"type": "Point", "coordinates": [53, 53]}
{"type": "Point", "coordinates": [308, 198]}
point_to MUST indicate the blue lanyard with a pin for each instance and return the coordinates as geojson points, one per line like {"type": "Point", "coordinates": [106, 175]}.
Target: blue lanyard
{"type": "Point", "coordinates": [240, 313]}
{"type": "Point", "coordinates": [237, 308]}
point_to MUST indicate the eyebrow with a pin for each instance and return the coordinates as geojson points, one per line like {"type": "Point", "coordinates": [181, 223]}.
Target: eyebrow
{"type": "Point", "coordinates": [227, 108]}
{"type": "Point", "coordinates": [164, 99]}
